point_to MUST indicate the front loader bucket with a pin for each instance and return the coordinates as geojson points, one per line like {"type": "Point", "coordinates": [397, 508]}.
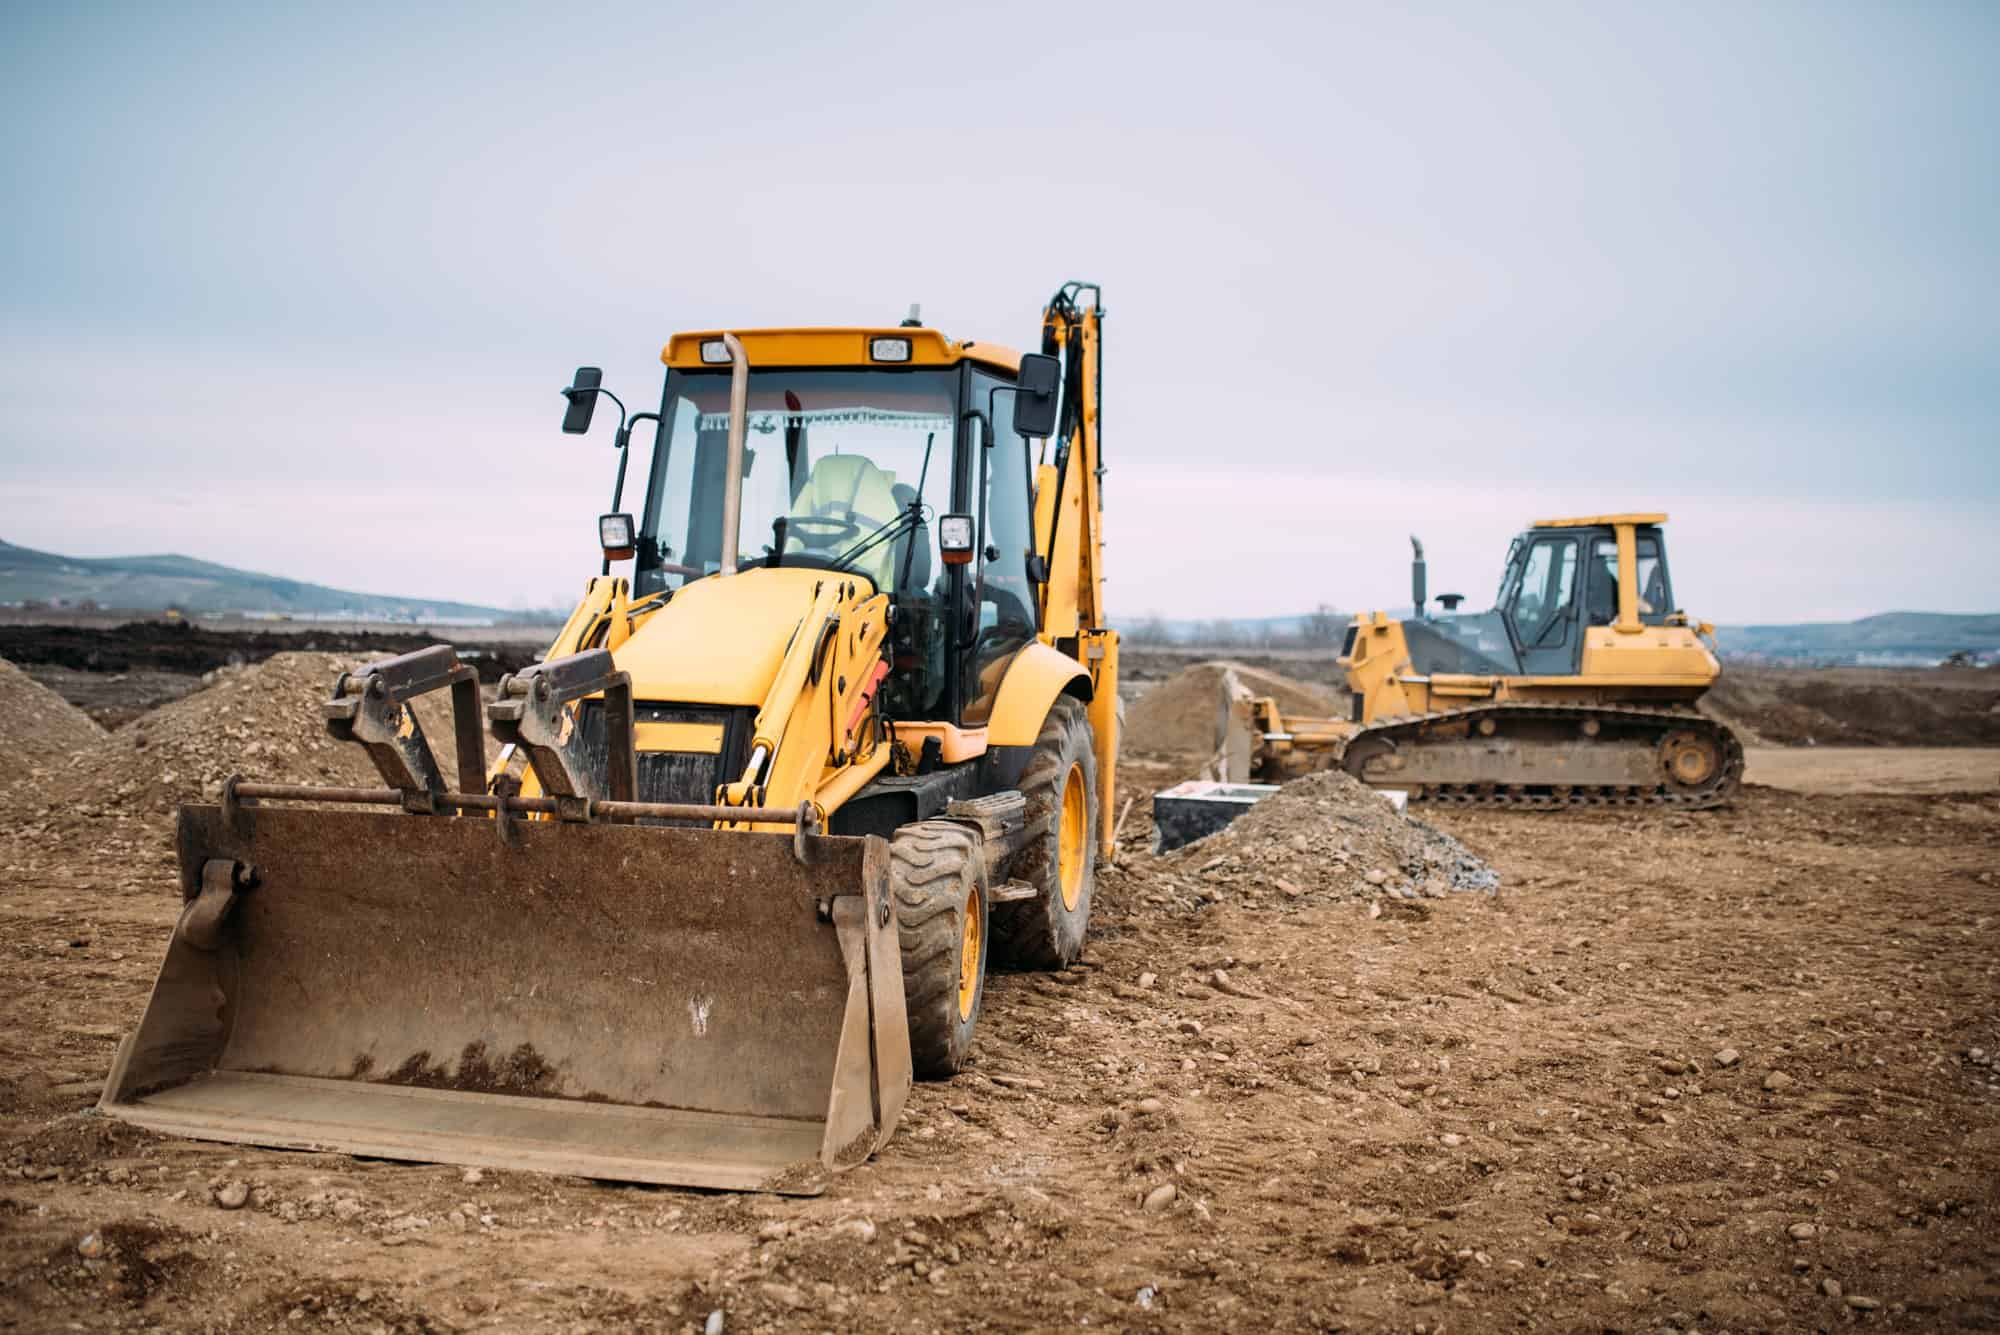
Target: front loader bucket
{"type": "Point", "coordinates": [685, 1006]}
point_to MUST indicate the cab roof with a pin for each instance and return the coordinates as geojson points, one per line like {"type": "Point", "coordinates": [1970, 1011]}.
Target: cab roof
{"type": "Point", "coordinates": [1600, 521]}
{"type": "Point", "coordinates": [837, 347]}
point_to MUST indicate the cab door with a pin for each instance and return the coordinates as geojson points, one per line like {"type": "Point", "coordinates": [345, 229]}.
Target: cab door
{"type": "Point", "coordinates": [1542, 613]}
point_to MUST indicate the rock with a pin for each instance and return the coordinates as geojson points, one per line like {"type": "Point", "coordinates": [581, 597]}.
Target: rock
{"type": "Point", "coordinates": [1149, 1107]}
{"type": "Point", "coordinates": [861, 1229]}
{"type": "Point", "coordinates": [1777, 1081]}
{"type": "Point", "coordinates": [1160, 1197]}
{"type": "Point", "coordinates": [1801, 1232]}
{"type": "Point", "coordinates": [1668, 1066]}
{"type": "Point", "coordinates": [1374, 908]}
{"type": "Point", "coordinates": [773, 1231]}
{"type": "Point", "coordinates": [232, 1195]}
{"type": "Point", "coordinates": [347, 1208]}
{"type": "Point", "coordinates": [1830, 1287]}
{"type": "Point", "coordinates": [1376, 876]}
{"type": "Point", "coordinates": [472, 1177]}
{"type": "Point", "coordinates": [1861, 1304]}
{"type": "Point", "coordinates": [713, 1326]}
{"type": "Point", "coordinates": [1017, 1082]}
{"type": "Point", "coordinates": [1148, 980]}
{"type": "Point", "coordinates": [1727, 1058]}
{"type": "Point", "coordinates": [90, 1246]}
{"type": "Point", "coordinates": [1190, 1027]}
{"type": "Point", "coordinates": [1451, 1140]}
{"type": "Point", "coordinates": [783, 1294]}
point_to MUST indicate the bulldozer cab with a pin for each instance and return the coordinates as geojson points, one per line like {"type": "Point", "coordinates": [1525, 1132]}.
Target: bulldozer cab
{"type": "Point", "coordinates": [1561, 578]}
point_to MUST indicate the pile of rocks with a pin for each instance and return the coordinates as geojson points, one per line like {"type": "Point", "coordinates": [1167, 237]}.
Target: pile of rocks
{"type": "Point", "coordinates": [1323, 838]}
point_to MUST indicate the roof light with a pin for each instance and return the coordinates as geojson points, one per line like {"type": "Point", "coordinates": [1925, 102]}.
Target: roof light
{"type": "Point", "coordinates": [889, 349]}
{"type": "Point", "coordinates": [715, 352]}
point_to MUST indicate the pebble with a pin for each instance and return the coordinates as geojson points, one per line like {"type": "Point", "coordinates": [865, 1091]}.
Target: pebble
{"type": "Point", "coordinates": [232, 1195]}
{"type": "Point", "coordinates": [863, 1229]}
{"type": "Point", "coordinates": [1190, 1026]}
{"type": "Point", "coordinates": [1727, 1058]}
{"type": "Point", "coordinates": [472, 1177]}
{"type": "Point", "coordinates": [1800, 1232]}
{"type": "Point", "coordinates": [782, 1294]}
{"type": "Point", "coordinates": [1451, 1140]}
{"type": "Point", "coordinates": [713, 1326]}
{"type": "Point", "coordinates": [1778, 1080]}
{"type": "Point", "coordinates": [1861, 1304]}
{"type": "Point", "coordinates": [773, 1231]}
{"type": "Point", "coordinates": [1160, 1197]}
{"type": "Point", "coordinates": [1376, 876]}
{"type": "Point", "coordinates": [1830, 1287]}
{"type": "Point", "coordinates": [1147, 980]}
{"type": "Point", "coordinates": [1149, 1107]}
{"type": "Point", "coordinates": [90, 1246]}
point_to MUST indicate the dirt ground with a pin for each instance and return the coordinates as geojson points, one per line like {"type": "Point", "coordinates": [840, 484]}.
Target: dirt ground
{"type": "Point", "coordinates": [1728, 1070]}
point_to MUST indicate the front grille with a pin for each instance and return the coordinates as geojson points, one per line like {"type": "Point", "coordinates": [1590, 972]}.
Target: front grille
{"type": "Point", "coordinates": [678, 776]}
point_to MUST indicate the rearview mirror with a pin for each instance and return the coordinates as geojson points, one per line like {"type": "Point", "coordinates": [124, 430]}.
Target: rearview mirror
{"type": "Point", "coordinates": [582, 396]}
{"type": "Point", "coordinates": [1035, 399]}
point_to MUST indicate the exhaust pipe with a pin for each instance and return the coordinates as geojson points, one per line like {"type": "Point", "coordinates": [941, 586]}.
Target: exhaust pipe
{"type": "Point", "coordinates": [732, 483]}
{"type": "Point", "coordinates": [1418, 590]}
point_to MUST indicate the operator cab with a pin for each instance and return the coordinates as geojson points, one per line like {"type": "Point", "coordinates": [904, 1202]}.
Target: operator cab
{"type": "Point", "coordinates": [1561, 578]}
{"type": "Point", "coordinates": [858, 447]}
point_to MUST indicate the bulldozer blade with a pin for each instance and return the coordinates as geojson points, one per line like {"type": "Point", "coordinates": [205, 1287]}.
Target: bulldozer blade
{"type": "Point", "coordinates": [679, 1006]}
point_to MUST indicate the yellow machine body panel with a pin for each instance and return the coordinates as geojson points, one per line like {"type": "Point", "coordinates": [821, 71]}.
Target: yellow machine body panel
{"type": "Point", "coordinates": [1035, 677]}
{"type": "Point", "coordinates": [835, 347]}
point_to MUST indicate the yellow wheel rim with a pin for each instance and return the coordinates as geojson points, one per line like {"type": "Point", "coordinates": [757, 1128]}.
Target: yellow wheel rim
{"type": "Point", "coordinates": [1070, 850]}
{"type": "Point", "coordinates": [968, 957]}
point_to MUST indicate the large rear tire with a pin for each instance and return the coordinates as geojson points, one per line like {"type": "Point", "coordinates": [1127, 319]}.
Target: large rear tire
{"type": "Point", "coordinates": [1047, 932]}
{"type": "Point", "coordinates": [942, 922]}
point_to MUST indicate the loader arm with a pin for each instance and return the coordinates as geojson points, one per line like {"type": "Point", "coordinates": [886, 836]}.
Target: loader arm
{"type": "Point", "coordinates": [1069, 517]}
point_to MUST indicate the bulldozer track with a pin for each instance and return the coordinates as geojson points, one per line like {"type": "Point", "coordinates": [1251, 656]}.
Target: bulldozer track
{"type": "Point", "coordinates": [1714, 793]}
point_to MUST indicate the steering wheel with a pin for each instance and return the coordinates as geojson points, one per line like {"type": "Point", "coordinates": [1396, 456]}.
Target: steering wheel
{"type": "Point", "coordinates": [822, 530]}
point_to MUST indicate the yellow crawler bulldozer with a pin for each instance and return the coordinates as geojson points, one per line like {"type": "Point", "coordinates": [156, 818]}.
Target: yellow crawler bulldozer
{"type": "Point", "coordinates": [843, 733]}
{"type": "Point", "coordinates": [1577, 688]}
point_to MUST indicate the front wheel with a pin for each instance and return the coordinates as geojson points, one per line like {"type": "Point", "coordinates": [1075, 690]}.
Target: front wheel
{"type": "Point", "coordinates": [1046, 932]}
{"type": "Point", "coordinates": [942, 922]}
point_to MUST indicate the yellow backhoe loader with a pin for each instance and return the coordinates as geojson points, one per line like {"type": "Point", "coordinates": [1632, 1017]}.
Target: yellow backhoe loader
{"type": "Point", "coordinates": [844, 732]}
{"type": "Point", "coordinates": [1577, 688]}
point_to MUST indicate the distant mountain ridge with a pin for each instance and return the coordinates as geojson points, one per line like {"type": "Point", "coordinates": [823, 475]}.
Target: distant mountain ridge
{"type": "Point", "coordinates": [1887, 638]}
{"type": "Point", "coordinates": [143, 583]}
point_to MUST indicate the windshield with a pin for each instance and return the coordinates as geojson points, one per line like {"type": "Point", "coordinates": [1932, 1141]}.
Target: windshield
{"type": "Point", "coordinates": [857, 465]}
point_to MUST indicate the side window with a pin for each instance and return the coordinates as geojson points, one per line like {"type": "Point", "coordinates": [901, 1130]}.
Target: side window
{"type": "Point", "coordinates": [1006, 602]}
{"type": "Point", "coordinates": [1547, 591]}
{"type": "Point", "coordinates": [1601, 590]}
{"type": "Point", "coordinates": [1656, 600]}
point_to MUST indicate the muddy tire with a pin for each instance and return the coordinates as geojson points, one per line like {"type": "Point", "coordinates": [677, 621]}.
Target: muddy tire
{"type": "Point", "coordinates": [941, 919]}
{"type": "Point", "coordinates": [1061, 787]}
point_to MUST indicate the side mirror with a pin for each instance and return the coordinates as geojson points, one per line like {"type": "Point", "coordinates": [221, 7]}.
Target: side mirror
{"type": "Point", "coordinates": [1035, 399]}
{"type": "Point", "coordinates": [582, 396]}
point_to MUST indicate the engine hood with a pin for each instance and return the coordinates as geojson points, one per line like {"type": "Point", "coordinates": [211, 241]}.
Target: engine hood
{"type": "Point", "coordinates": [719, 641]}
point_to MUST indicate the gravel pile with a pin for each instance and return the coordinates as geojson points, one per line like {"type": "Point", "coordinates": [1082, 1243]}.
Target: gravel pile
{"type": "Point", "coordinates": [42, 736]}
{"type": "Point", "coordinates": [1325, 838]}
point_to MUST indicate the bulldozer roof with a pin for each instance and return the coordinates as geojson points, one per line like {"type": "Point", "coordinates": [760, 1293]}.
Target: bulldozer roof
{"type": "Point", "coordinates": [837, 347]}
{"type": "Point", "coordinates": [1600, 521]}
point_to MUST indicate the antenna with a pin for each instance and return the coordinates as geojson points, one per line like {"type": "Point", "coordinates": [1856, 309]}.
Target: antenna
{"type": "Point", "coordinates": [915, 319]}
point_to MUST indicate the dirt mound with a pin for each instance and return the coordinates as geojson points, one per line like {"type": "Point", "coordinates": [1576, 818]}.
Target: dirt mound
{"type": "Point", "coordinates": [1324, 838]}
{"type": "Point", "coordinates": [1181, 717]}
{"type": "Point", "coordinates": [1858, 706]}
{"type": "Point", "coordinates": [40, 733]}
{"type": "Point", "coordinates": [262, 721]}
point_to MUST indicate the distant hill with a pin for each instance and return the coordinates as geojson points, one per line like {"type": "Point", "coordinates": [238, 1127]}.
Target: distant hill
{"type": "Point", "coordinates": [1888, 637]}
{"type": "Point", "coordinates": [155, 582]}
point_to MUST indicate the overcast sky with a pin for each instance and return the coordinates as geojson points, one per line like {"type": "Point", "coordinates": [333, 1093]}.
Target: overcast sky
{"type": "Point", "coordinates": [296, 290]}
